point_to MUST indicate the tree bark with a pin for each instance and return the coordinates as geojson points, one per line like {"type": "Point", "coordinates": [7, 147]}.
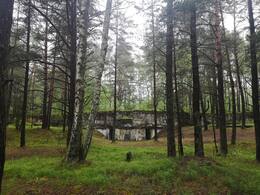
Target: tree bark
{"type": "Point", "coordinates": [241, 90]}
{"type": "Point", "coordinates": [26, 78]}
{"type": "Point", "coordinates": [74, 150]}
{"type": "Point", "coordinates": [221, 100]}
{"type": "Point", "coordinates": [232, 83]}
{"type": "Point", "coordinates": [32, 95]}
{"type": "Point", "coordinates": [204, 117]}
{"type": "Point", "coordinates": [199, 149]}
{"type": "Point", "coordinates": [213, 119]}
{"type": "Point", "coordinates": [180, 144]}
{"type": "Point", "coordinates": [51, 92]}
{"type": "Point", "coordinates": [254, 72]}
{"type": "Point", "coordinates": [65, 100]}
{"type": "Point", "coordinates": [45, 91]}
{"type": "Point", "coordinates": [171, 148]}
{"type": "Point", "coordinates": [154, 77]}
{"type": "Point", "coordinates": [89, 128]}
{"type": "Point", "coordinates": [115, 82]}
{"type": "Point", "coordinates": [6, 12]}
{"type": "Point", "coordinates": [72, 9]}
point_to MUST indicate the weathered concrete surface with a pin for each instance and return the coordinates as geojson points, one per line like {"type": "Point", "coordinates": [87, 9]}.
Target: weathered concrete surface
{"type": "Point", "coordinates": [135, 119]}
{"type": "Point", "coordinates": [130, 134]}
{"type": "Point", "coordinates": [132, 125]}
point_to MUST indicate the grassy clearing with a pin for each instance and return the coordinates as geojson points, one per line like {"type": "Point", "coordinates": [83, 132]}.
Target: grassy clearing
{"type": "Point", "coordinates": [40, 170]}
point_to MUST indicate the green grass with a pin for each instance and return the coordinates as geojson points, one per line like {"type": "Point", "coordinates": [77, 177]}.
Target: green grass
{"type": "Point", "coordinates": [150, 171]}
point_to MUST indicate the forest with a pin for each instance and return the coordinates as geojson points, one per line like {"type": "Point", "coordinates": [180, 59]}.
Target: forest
{"type": "Point", "coordinates": [129, 97]}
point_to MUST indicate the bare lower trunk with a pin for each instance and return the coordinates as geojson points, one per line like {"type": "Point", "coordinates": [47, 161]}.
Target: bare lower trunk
{"type": "Point", "coordinates": [180, 144]}
{"type": "Point", "coordinates": [6, 11]}
{"type": "Point", "coordinates": [115, 82]}
{"type": "Point", "coordinates": [171, 148]}
{"type": "Point", "coordinates": [232, 83]}
{"type": "Point", "coordinates": [241, 90]}
{"type": "Point", "coordinates": [65, 102]}
{"type": "Point", "coordinates": [213, 119]}
{"type": "Point", "coordinates": [51, 94]}
{"type": "Point", "coordinates": [72, 9]}
{"type": "Point", "coordinates": [32, 95]}
{"type": "Point", "coordinates": [26, 78]}
{"type": "Point", "coordinates": [89, 128]}
{"type": "Point", "coordinates": [154, 77]}
{"type": "Point", "coordinates": [204, 116]}
{"type": "Point", "coordinates": [74, 150]}
{"type": "Point", "coordinates": [45, 91]}
{"type": "Point", "coordinates": [254, 72]}
{"type": "Point", "coordinates": [221, 100]}
{"type": "Point", "coordinates": [199, 149]}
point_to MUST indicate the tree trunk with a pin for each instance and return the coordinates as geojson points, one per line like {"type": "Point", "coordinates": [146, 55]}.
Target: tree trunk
{"type": "Point", "coordinates": [154, 77]}
{"type": "Point", "coordinates": [214, 107]}
{"type": "Point", "coordinates": [241, 90]}
{"type": "Point", "coordinates": [171, 148]}
{"type": "Point", "coordinates": [65, 101]}
{"type": "Point", "coordinates": [232, 83]}
{"type": "Point", "coordinates": [204, 117]}
{"type": "Point", "coordinates": [74, 150]}
{"type": "Point", "coordinates": [180, 144]}
{"type": "Point", "coordinates": [221, 100]}
{"type": "Point", "coordinates": [199, 149]}
{"type": "Point", "coordinates": [254, 72]}
{"type": "Point", "coordinates": [32, 95]}
{"type": "Point", "coordinates": [45, 90]}
{"type": "Point", "coordinates": [115, 82]}
{"type": "Point", "coordinates": [51, 92]}
{"type": "Point", "coordinates": [89, 129]}
{"type": "Point", "coordinates": [72, 9]}
{"type": "Point", "coordinates": [26, 78]}
{"type": "Point", "coordinates": [10, 92]}
{"type": "Point", "coordinates": [6, 12]}
{"type": "Point", "coordinates": [213, 119]}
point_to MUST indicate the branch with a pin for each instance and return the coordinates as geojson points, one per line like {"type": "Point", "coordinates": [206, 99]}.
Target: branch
{"type": "Point", "coordinates": [53, 25]}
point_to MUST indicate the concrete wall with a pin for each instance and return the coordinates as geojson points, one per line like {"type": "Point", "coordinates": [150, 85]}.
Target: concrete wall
{"type": "Point", "coordinates": [129, 135]}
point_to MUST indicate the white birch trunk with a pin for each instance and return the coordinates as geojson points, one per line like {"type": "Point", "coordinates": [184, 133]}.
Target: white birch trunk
{"type": "Point", "coordinates": [88, 129]}
{"type": "Point", "coordinates": [75, 139]}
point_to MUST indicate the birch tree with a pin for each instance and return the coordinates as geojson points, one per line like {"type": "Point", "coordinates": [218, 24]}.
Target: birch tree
{"type": "Point", "coordinates": [75, 139]}
{"type": "Point", "coordinates": [88, 129]}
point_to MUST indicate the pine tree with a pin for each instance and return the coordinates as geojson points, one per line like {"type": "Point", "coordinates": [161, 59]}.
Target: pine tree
{"type": "Point", "coordinates": [6, 13]}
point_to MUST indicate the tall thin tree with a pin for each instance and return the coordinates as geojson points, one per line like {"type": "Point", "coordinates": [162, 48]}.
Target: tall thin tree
{"type": "Point", "coordinates": [115, 74]}
{"type": "Point", "coordinates": [154, 74]}
{"type": "Point", "coordinates": [221, 100]}
{"type": "Point", "coordinates": [231, 80]}
{"type": "Point", "coordinates": [171, 148]}
{"type": "Point", "coordinates": [45, 69]}
{"type": "Point", "coordinates": [72, 16]}
{"type": "Point", "coordinates": [178, 114]}
{"type": "Point", "coordinates": [199, 149]}
{"type": "Point", "coordinates": [254, 72]}
{"type": "Point", "coordinates": [26, 77]}
{"type": "Point", "coordinates": [238, 70]}
{"type": "Point", "coordinates": [88, 131]}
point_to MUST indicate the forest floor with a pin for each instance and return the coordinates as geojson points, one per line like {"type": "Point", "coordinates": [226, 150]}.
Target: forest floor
{"type": "Point", "coordinates": [39, 168]}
